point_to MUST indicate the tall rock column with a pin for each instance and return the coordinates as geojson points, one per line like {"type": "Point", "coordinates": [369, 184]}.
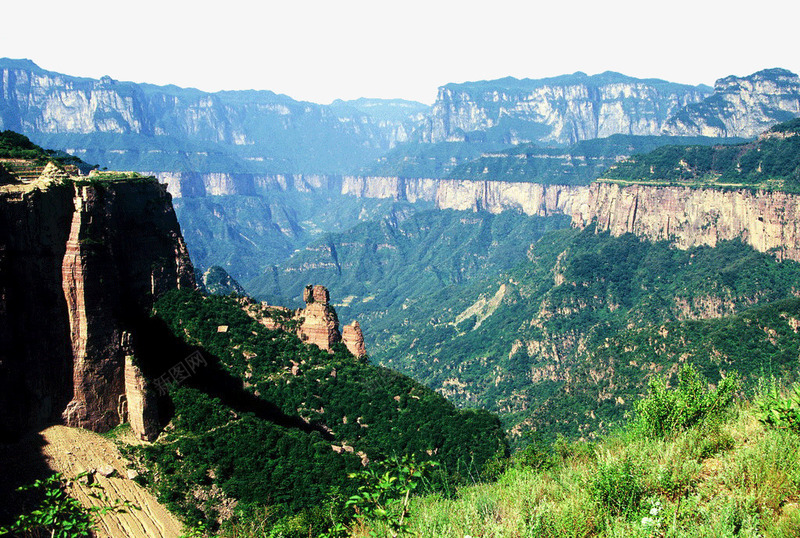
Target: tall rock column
{"type": "Point", "coordinates": [124, 251]}
{"type": "Point", "coordinates": [320, 324]}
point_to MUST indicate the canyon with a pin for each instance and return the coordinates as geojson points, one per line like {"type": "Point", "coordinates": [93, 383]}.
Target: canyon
{"type": "Point", "coordinates": [685, 216]}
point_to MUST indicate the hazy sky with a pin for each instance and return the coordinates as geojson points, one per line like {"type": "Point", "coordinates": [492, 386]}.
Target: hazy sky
{"type": "Point", "coordinates": [322, 50]}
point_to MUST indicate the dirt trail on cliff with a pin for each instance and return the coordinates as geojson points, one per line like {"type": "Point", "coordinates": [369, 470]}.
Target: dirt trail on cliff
{"type": "Point", "coordinates": [71, 451]}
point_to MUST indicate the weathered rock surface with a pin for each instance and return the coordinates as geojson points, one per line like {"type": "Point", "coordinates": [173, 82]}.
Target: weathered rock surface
{"type": "Point", "coordinates": [562, 109]}
{"type": "Point", "coordinates": [741, 106]}
{"type": "Point", "coordinates": [316, 324]}
{"type": "Point", "coordinates": [353, 338]}
{"type": "Point", "coordinates": [186, 129]}
{"type": "Point", "coordinates": [71, 451]}
{"type": "Point", "coordinates": [686, 216]}
{"type": "Point", "coordinates": [766, 220]}
{"type": "Point", "coordinates": [80, 265]}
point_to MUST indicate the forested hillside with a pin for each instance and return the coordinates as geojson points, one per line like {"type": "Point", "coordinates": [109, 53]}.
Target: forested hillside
{"type": "Point", "coordinates": [378, 265]}
{"type": "Point", "coordinates": [262, 419]}
{"type": "Point", "coordinates": [772, 161]}
{"type": "Point", "coordinates": [536, 344]}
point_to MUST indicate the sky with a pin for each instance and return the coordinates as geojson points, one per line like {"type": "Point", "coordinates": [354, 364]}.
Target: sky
{"type": "Point", "coordinates": [323, 50]}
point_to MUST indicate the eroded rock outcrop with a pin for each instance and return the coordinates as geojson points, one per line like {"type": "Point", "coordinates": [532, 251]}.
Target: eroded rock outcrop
{"type": "Point", "coordinates": [81, 264]}
{"type": "Point", "coordinates": [320, 325]}
{"type": "Point", "coordinates": [353, 338]}
{"type": "Point", "coordinates": [316, 324]}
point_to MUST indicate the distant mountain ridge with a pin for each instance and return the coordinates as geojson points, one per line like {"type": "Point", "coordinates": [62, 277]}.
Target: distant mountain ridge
{"type": "Point", "coordinates": [741, 106]}
{"type": "Point", "coordinates": [126, 125]}
{"type": "Point", "coordinates": [570, 108]}
{"type": "Point", "coordinates": [560, 110]}
{"type": "Point", "coordinates": [167, 128]}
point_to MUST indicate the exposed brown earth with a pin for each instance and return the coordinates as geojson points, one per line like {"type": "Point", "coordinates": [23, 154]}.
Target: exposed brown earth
{"type": "Point", "coordinates": [71, 451]}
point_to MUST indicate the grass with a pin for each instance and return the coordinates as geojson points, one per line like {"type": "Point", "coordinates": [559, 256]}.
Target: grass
{"type": "Point", "coordinates": [733, 476]}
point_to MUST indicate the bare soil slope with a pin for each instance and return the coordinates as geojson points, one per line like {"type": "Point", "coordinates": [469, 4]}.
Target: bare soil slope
{"type": "Point", "coordinates": [71, 451]}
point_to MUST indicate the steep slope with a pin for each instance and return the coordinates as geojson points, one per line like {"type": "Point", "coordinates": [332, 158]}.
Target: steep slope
{"type": "Point", "coordinates": [269, 424]}
{"type": "Point", "coordinates": [741, 106]}
{"type": "Point", "coordinates": [377, 266]}
{"type": "Point", "coordinates": [522, 344]}
{"type": "Point", "coordinates": [81, 260]}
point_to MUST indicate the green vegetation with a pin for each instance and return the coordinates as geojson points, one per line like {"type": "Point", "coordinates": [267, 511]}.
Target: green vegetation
{"type": "Point", "coordinates": [771, 162]}
{"type": "Point", "coordinates": [579, 164]}
{"type": "Point", "coordinates": [59, 515]}
{"type": "Point", "coordinates": [385, 493]}
{"type": "Point", "coordinates": [420, 160]}
{"type": "Point", "coordinates": [563, 343]}
{"type": "Point", "coordinates": [17, 146]}
{"type": "Point", "coordinates": [725, 475]}
{"type": "Point", "coordinates": [276, 425]}
{"type": "Point", "coordinates": [216, 281]}
{"type": "Point", "coordinates": [380, 264]}
{"type": "Point", "coordinates": [779, 410]}
{"type": "Point", "coordinates": [666, 412]}
{"type": "Point", "coordinates": [480, 158]}
{"type": "Point", "coordinates": [248, 235]}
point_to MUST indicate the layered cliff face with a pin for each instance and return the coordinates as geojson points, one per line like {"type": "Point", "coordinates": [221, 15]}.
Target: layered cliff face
{"type": "Point", "coordinates": [766, 220]}
{"type": "Point", "coordinates": [563, 109]}
{"type": "Point", "coordinates": [741, 106]}
{"type": "Point", "coordinates": [688, 217]}
{"type": "Point", "coordinates": [81, 264]}
{"type": "Point", "coordinates": [124, 125]}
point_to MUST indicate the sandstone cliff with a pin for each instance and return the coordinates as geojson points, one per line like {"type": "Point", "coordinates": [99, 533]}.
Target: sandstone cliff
{"type": "Point", "coordinates": [766, 220]}
{"type": "Point", "coordinates": [81, 263]}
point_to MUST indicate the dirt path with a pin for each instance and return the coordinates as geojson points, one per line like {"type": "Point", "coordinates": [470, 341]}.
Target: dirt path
{"type": "Point", "coordinates": [72, 451]}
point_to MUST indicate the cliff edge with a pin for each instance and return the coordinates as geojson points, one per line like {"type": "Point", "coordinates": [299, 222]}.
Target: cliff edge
{"type": "Point", "coordinates": [81, 262]}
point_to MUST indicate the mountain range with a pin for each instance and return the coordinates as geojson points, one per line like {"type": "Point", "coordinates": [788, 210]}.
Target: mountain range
{"type": "Point", "coordinates": [125, 125]}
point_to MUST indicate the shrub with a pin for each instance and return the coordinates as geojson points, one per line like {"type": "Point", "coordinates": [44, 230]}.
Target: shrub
{"type": "Point", "coordinates": [665, 412]}
{"type": "Point", "coordinates": [618, 487]}
{"type": "Point", "coordinates": [386, 492]}
{"type": "Point", "coordinates": [777, 410]}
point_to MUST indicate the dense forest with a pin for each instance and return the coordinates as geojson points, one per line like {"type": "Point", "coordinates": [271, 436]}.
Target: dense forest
{"type": "Point", "coordinates": [537, 344]}
{"type": "Point", "coordinates": [271, 421]}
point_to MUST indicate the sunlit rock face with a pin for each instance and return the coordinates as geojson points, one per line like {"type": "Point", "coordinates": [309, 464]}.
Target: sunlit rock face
{"type": "Point", "coordinates": [560, 110]}
{"type": "Point", "coordinates": [741, 106]}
